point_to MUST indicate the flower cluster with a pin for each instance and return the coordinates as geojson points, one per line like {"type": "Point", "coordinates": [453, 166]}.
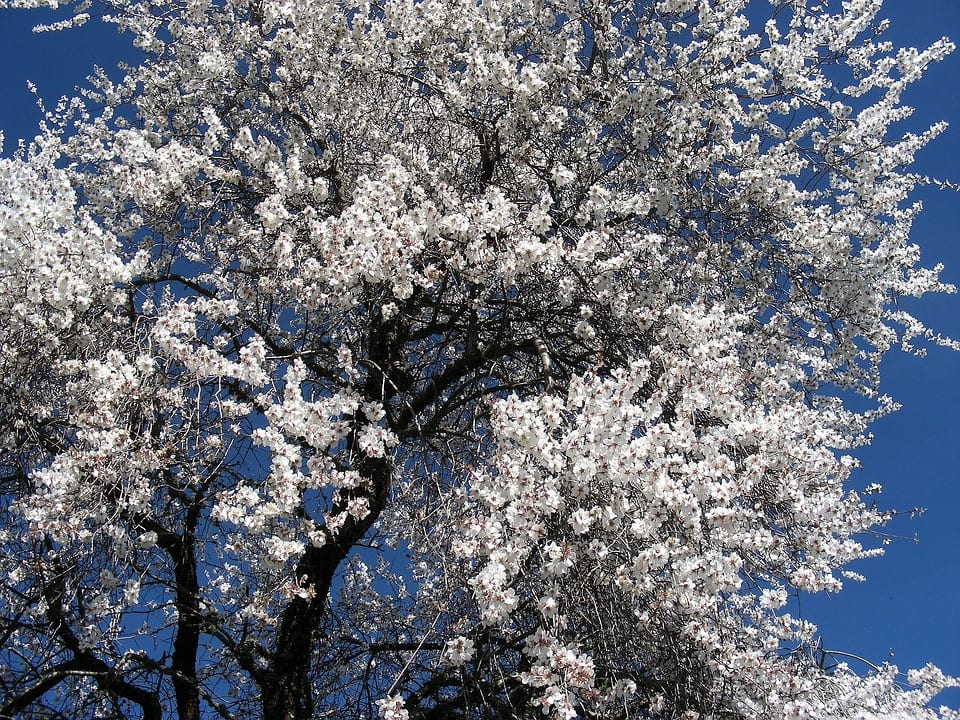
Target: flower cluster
{"type": "Point", "coordinates": [561, 302]}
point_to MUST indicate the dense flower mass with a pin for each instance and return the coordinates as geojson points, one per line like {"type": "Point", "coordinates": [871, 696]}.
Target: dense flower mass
{"type": "Point", "coordinates": [440, 358]}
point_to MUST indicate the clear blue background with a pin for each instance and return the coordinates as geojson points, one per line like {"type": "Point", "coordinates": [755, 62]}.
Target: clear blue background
{"type": "Point", "coordinates": [909, 609]}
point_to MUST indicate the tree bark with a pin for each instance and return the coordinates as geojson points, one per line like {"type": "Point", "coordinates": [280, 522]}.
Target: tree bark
{"type": "Point", "coordinates": [187, 641]}
{"type": "Point", "coordinates": [286, 687]}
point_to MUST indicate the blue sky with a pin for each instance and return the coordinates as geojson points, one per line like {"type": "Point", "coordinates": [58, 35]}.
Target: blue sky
{"type": "Point", "coordinates": [910, 605]}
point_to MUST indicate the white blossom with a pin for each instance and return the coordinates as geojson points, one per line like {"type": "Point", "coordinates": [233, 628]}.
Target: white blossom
{"type": "Point", "coordinates": [410, 357]}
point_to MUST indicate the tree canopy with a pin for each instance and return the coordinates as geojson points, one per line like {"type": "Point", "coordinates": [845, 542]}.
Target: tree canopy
{"type": "Point", "coordinates": [454, 359]}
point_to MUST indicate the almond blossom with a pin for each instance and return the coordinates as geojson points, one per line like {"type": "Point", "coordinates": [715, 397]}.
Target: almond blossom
{"type": "Point", "coordinates": [452, 359]}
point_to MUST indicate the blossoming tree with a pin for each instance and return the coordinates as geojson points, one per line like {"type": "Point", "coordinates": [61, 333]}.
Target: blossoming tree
{"type": "Point", "coordinates": [453, 359]}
